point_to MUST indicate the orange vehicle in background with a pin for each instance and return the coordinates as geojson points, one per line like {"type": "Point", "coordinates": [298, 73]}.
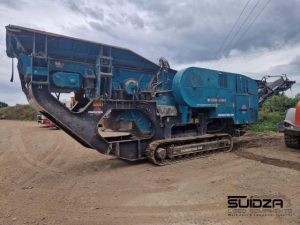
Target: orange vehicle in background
{"type": "Point", "coordinates": [292, 127]}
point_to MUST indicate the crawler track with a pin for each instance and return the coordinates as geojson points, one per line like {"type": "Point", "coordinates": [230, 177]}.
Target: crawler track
{"type": "Point", "coordinates": [167, 151]}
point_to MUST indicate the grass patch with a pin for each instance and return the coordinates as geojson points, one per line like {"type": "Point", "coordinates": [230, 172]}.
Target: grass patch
{"type": "Point", "coordinates": [18, 112]}
{"type": "Point", "coordinates": [273, 112]}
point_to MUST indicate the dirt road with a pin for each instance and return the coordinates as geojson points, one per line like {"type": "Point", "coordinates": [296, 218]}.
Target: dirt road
{"type": "Point", "coordinates": [48, 178]}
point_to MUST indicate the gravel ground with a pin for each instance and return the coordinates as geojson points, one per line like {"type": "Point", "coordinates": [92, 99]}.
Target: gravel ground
{"type": "Point", "coordinates": [48, 178]}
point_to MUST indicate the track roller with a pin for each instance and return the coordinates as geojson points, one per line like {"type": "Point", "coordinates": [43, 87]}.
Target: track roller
{"type": "Point", "coordinates": [167, 151]}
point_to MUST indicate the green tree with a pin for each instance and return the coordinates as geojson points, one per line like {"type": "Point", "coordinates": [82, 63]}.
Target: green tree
{"type": "Point", "coordinates": [279, 103]}
{"type": "Point", "coordinates": [273, 112]}
{"type": "Point", "coordinates": [3, 104]}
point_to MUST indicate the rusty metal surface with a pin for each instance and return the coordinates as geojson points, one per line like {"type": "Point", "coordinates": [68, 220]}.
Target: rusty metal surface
{"type": "Point", "coordinates": [108, 134]}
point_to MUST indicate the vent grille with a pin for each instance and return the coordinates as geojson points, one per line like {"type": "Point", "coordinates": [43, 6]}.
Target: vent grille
{"type": "Point", "coordinates": [223, 80]}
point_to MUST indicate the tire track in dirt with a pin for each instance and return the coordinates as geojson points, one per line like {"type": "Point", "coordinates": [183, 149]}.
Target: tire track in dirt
{"type": "Point", "coordinates": [49, 156]}
{"type": "Point", "coordinates": [32, 166]}
{"type": "Point", "coordinates": [270, 161]}
{"type": "Point", "coordinates": [137, 209]}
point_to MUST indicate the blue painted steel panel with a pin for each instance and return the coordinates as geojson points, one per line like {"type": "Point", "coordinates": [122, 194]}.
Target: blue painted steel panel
{"type": "Point", "coordinates": [73, 63]}
{"type": "Point", "coordinates": [138, 118]}
{"type": "Point", "coordinates": [216, 91]}
{"type": "Point", "coordinates": [63, 47]}
{"type": "Point", "coordinates": [67, 80]}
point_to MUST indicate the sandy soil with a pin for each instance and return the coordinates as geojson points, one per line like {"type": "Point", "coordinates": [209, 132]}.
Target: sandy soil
{"type": "Point", "coordinates": [48, 178]}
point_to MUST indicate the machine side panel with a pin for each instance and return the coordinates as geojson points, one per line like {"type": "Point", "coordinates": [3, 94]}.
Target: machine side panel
{"type": "Point", "coordinates": [221, 94]}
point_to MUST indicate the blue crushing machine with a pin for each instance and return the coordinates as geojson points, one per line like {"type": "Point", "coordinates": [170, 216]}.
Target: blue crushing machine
{"type": "Point", "coordinates": [130, 107]}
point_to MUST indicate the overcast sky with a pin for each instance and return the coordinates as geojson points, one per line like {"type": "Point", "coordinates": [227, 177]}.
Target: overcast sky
{"type": "Point", "coordinates": [265, 40]}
